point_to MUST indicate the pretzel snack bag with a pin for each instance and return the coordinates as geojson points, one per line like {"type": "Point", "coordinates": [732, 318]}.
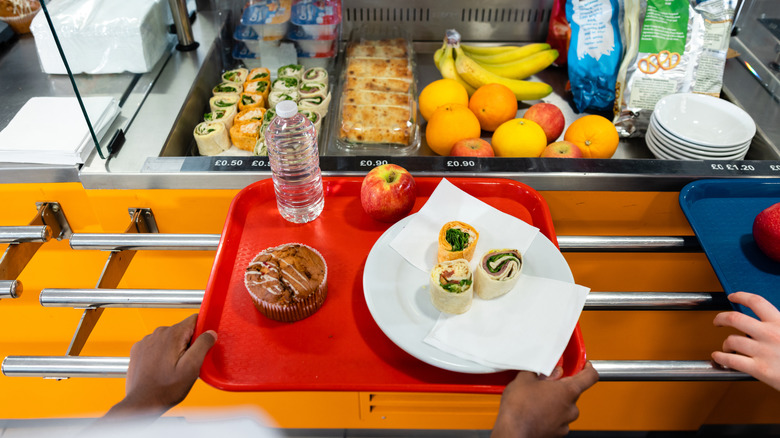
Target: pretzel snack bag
{"type": "Point", "coordinates": [680, 47]}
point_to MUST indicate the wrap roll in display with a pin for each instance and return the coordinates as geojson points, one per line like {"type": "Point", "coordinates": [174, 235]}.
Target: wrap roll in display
{"type": "Point", "coordinates": [457, 240]}
{"type": "Point", "coordinates": [259, 87]}
{"type": "Point", "coordinates": [497, 273]}
{"type": "Point", "coordinates": [315, 103]}
{"type": "Point", "coordinates": [284, 84]}
{"type": "Point", "coordinates": [223, 102]}
{"type": "Point", "coordinates": [311, 89]}
{"type": "Point", "coordinates": [236, 76]}
{"type": "Point", "coordinates": [259, 74]}
{"type": "Point", "coordinates": [227, 89]}
{"type": "Point", "coordinates": [291, 71]}
{"type": "Point", "coordinates": [451, 286]}
{"type": "Point", "coordinates": [315, 74]}
{"type": "Point", "coordinates": [314, 117]}
{"type": "Point", "coordinates": [249, 115]}
{"type": "Point", "coordinates": [278, 96]}
{"type": "Point", "coordinates": [211, 138]}
{"type": "Point", "coordinates": [244, 135]}
{"type": "Point", "coordinates": [224, 116]}
{"type": "Point", "coordinates": [249, 100]}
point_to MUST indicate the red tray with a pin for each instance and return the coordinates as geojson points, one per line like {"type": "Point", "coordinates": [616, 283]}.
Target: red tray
{"type": "Point", "coordinates": [340, 347]}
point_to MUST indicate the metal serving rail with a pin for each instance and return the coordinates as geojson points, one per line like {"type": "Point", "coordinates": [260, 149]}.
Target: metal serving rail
{"type": "Point", "coordinates": [62, 367]}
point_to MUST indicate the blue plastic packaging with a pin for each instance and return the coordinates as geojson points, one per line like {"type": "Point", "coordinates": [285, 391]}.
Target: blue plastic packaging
{"type": "Point", "coordinates": [594, 53]}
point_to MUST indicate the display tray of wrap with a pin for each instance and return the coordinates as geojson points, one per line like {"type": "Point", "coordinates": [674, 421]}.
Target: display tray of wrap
{"type": "Point", "coordinates": [339, 347]}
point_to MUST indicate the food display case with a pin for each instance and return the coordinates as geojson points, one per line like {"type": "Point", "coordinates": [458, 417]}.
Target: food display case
{"type": "Point", "coordinates": [126, 241]}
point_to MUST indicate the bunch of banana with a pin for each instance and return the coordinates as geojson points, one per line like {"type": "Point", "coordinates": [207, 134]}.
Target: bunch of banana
{"type": "Point", "coordinates": [474, 66]}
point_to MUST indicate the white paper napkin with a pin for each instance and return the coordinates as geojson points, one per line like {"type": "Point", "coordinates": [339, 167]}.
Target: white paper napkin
{"type": "Point", "coordinates": [526, 329]}
{"type": "Point", "coordinates": [418, 242]}
{"type": "Point", "coordinates": [52, 130]}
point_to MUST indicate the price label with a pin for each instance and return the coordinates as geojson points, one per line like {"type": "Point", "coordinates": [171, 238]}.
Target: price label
{"type": "Point", "coordinates": [230, 162]}
{"type": "Point", "coordinates": [774, 167]}
{"type": "Point", "coordinates": [460, 164]}
{"type": "Point", "coordinates": [731, 167]}
{"type": "Point", "coordinates": [371, 163]}
{"type": "Point", "coordinates": [260, 164]}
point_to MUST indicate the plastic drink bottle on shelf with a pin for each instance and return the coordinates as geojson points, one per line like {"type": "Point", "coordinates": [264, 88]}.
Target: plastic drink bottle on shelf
{"type": "Point", "coordinates": [295, 164]}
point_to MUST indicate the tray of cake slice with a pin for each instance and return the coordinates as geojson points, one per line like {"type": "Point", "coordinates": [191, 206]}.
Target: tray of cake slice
{"type": "Point", "coordinates": [377, 106]}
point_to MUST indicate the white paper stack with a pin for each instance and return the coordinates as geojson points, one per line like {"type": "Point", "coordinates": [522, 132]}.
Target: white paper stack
{"type": "Point", "coordinates": [52, 130]}
{"type": "Point", "coordinates": [102, 36]}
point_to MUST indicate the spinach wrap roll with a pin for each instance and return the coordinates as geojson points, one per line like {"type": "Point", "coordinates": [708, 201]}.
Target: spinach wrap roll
{"type": "Point", "coordinates": [290, 71]}
{"type": "Point", "coordinates": [211, 138]}
{"type": "Point", "coordinates": [224, 116]}
{"type": "Point", "coordinates": [227, 88]}
{"type": "Point", "coordinates": [278, 96]}
{"type": "Point", "coordinates": [223, 102]}
{"type": "Point", "coordinates": [249, 100]}
{"type": "Point", "coordinates": [236, 76]}
{"type": "Point", "coordinates": [259, 74]}
{"type": "Point", "coordinates": [259, 87]}
{"type": "Point", "coordinates": [314, 117]}
{"type": "Point", "coordinates": [315, 103]}
{"type": "Point", "coordinates": [311, 89]}
{"type": "Point", "coordinates": [316, 74]}
{"type": "Point", "coordinates": [451, 286]}
{"type": "Point", "coordinates": [284, 84]}
{"type": "Point", "coordinates": [457, 240]}
{"type": "Point", "coordinates": [497, 273]}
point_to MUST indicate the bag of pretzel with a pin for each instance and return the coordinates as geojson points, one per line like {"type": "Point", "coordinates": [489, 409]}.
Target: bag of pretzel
{"type": "Point", "coordinates": [680, 47]}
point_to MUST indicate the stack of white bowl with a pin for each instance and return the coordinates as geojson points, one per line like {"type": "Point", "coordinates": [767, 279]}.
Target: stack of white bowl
{"type": "Point", "coordinates": [699, 127]}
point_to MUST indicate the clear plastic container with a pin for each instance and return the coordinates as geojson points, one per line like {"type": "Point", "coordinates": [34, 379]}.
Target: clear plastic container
{"type": "Point", "coordinates": [270, 19]}
{"type": "Point", "coordinates": [291, 139]}
{"type": "Point", "coordinates": [378, 106]}
{"type": "Point", "coordinates": [316, 19]}
{"type": "Point", "coordinates": [312, 46]}
{"type": "Point", "coordinates": [253, 42]}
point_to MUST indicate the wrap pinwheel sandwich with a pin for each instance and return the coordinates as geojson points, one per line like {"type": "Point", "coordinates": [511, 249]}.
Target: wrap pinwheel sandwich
{"type": "Point", "coordinates": [451, 286]}
{"type": "Point", "coordinates": [457, 240]}
{"type": "Point", "coordinates": [497, 273]}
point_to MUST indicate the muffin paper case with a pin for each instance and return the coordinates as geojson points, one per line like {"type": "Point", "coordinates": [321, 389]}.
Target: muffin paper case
{"type": "Point", "coordinates": [298, 309]}
{"type": "Point", "coordinates": [19, 14]}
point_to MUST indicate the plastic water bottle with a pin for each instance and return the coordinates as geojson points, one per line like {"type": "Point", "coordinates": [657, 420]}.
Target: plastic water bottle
{"type": "Point", "coordinates": [295, 163]}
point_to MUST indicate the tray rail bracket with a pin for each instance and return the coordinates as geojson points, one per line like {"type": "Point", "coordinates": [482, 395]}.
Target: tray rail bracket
{"type": "Point", "coordinates": [24, 242]}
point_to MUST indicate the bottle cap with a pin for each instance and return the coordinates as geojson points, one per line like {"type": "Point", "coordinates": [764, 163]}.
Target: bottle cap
{"type": "Point", "coordinates": [286, 109]}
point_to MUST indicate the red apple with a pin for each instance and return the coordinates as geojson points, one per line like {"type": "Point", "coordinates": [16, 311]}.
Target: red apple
{"type": "Point", "coordinates": [549, 117]}
{"type": "Point", "coordinates": [766, 231]}
{"type": "Point", "coordinates": [472, 147]}
{"type": "Point", "coordinates": [562, 149]}
{"type": "Point", "coordinates": [388, 193]}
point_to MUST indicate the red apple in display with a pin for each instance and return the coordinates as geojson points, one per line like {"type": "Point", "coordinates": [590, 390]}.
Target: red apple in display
{"type": "Point", "coordinates": [549, 117]}
{"type": "Point", "coordinates": [388, 193]}
{"type": "Point", "coordinates": [562, 149]}
{"type": "Point", "coordinates": [472, 147]}
{"type": "Point", "coordinates": [766, 231]}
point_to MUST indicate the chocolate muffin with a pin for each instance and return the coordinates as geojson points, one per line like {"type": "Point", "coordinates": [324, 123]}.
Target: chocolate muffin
{"type": "Point", "coordinates": [287, 283]}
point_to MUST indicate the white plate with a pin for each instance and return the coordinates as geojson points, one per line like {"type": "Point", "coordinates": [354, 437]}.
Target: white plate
{"type": "Point", "coordinates": [683, 153]}
{"type": "Point", "coordinates": [662, 132]}
{"type": "Point", "coordinates": [656, 151]}
{"type": "Point", "coordinates": [704, 119]}
{"type": "Point", "coordinates": [398, 298]}
{"type": "Point", "coordinates": [681, 145]}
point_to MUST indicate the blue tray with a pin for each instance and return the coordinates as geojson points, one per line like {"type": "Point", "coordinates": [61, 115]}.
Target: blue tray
{"type": "Point", "coordinates": [721, 213]}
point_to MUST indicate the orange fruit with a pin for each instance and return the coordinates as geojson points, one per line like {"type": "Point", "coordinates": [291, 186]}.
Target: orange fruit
{"type": "Point", "coordinates": [448, 124]}
{"type": "Point", "coordinates": [439, 93]}
{"type": "Point", "coordinates": [519, 138]}
{"type": "Point", "coordinates": [493, 104]}
{"type": "Point", "coordinates": [595, 135]}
